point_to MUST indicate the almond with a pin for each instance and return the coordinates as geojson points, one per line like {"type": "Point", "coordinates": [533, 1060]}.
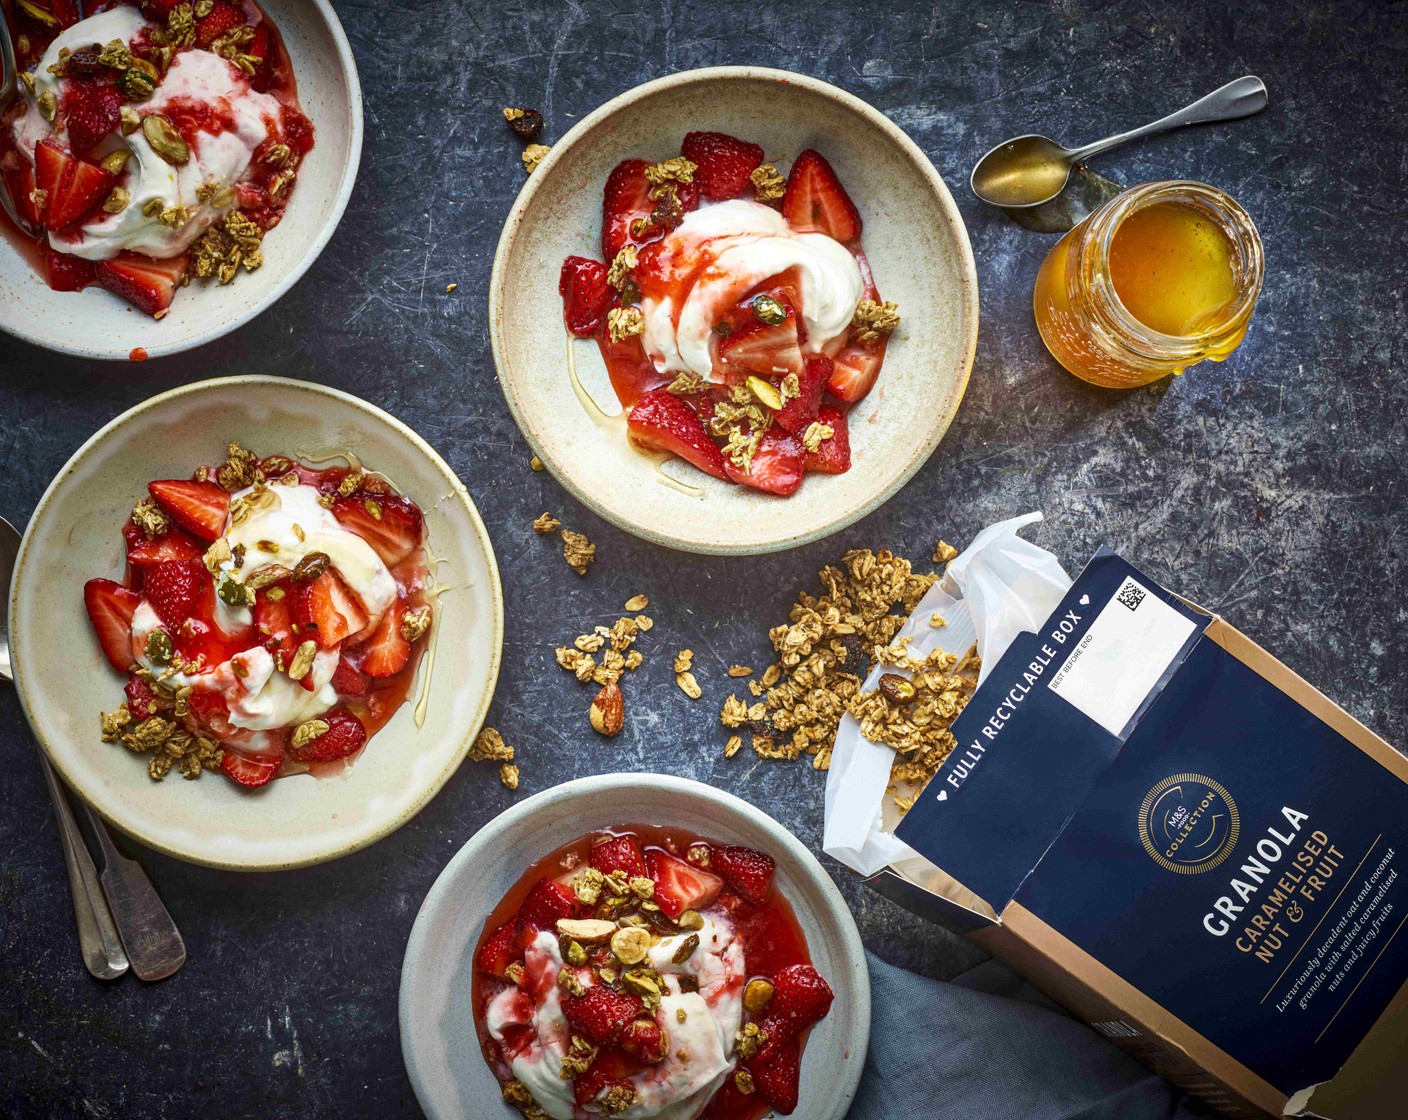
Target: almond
{"type": "Point", "coordinates": [587, 930]}
{"type": "Point", "coordinates": [608, 711]}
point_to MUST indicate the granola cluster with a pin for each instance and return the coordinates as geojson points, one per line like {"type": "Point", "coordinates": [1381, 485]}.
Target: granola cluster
{"type": "Point", "coordinates": [489, 746]}
{"type": "Point", "coordinates": [577, 550]}
{"type": "Point", "coordinates": [159, 730]}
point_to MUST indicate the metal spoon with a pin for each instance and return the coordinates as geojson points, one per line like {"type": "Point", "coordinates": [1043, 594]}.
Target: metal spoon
{"type": "Point", "coordinates": [9, 87]}
{"type": "Point", "coordinates": [1030, 170]}
{"type": "Point", "coordinates": [131, 926]}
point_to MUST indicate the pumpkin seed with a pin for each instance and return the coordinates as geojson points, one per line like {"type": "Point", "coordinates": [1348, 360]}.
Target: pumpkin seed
{"type": "Point", "coordinates": [166, 142]}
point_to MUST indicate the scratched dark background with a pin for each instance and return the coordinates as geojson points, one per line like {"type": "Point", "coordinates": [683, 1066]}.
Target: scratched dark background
{"type": "Point", "coordinates": [1271, 487]}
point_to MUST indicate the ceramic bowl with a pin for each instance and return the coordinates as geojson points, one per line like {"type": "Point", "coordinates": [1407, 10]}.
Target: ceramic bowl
{"type": "Point", "coordinates": [438, 1040]}
{"type": "Point", "coordinates": [915, 241]}
{"type": "Point", "coordinates": [98, 325]}
{"type": "Point", "coordinates": [64, 681]}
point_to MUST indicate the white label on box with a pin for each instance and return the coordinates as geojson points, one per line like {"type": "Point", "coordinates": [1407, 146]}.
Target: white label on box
{"type": "Point", "coordinates": [1122, 656]}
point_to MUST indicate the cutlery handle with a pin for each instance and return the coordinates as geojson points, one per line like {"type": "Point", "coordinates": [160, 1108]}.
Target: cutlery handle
{"type": "Point", "coordinates": [153, 942]}
{"type": "Point", "coordinates": [97, 936]}
{"type": "Point", "coordinates": [1242, 97]}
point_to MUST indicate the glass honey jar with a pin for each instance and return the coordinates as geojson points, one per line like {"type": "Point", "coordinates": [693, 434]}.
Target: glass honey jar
{"type": "Point", "coordinates": [1159, 278]}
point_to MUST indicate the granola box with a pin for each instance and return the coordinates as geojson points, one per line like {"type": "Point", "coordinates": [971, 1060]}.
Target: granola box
{"type": "Point", "coordinates": [1176, 836]}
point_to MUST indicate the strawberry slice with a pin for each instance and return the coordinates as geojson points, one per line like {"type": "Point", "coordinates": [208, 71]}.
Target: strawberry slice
{"type": "Point", "coordinates": [328, 611]}
{"type": "Point", "coordinates": [141, 699]}
{"type": "Point", "coordinates": [680, 886]}
{"type": "Point", "coordinates": [110, 609]}
{"type": "Point", "coordinates": [498, 952]}
{"type": "Point", "coordinates": [778, 1079]}
{"type": "Point", "coordinates": [93, 111]}
{"type": "Point", "coordinates": [833, 456]}
{"type": "Point", "coordinates": [816, 202]}
{"type": "Point", "coordinates": [174, 544]}
{"type": "Point", "coordinates": [68, 273]}
{"type": "Point", "coordinates": [178, 590]}
{"type": "Point", "coordinates": [618, 853]}
{"type": "Point", "coordinates": [146, 283]}
{"type": "Point", "coordinates": [798, 413]}
{"type": "Point", "coordinates": [777, 466]}
{"type": "Point", "coordinates": [345, 736]}
{"type": "Point", "coordinates": [387, 648]}
{"type": "Point", "coordinates": [201, 507]}
{"type": "Point", "coordinates": [249, 772]}
{"type": "Point", "coordinates": [71, 188]}
{"type": "Point", "coordinates": [801, 997]}
{"type": "Point", "coordinates": [547, 903]}
{"type": "Point", "coordinates": [771, 350]}
{"type": "Point", "coordinates": [855, 369]}
{"type": "Point", "coordinates": [392, 526]}
{"type": "Point", "coordinates": [586, 296]}
{"type": "Point", "coordinates": [273, 618]}
{"type": "Point", "coordinates": [662, 421]}
{"type": "Point", "coordinates": [745, 870]}
{"type": "Point", "coordinates": [601, 1013]}
{"type": "Point", "coordinates": [612, 1068]}
{"type": "Point", "coordinates": [723, 163]}
{"type": "Point", "coordinates": [221, 19]}
{"type": "Point", "coordinates": [348, 680]}
{"type": "Point", "coordinates": [627, 199]}
{"type": "Point", "coordinates": [644, 1041]}
{"type": "Point", "coordinates": [18, 174]}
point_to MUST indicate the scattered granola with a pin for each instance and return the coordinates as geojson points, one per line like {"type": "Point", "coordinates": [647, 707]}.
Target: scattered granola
{"type": "Point", "coordinates": [545, 523]}
{"type": "Point", "coordinates": [768, 184]}
{"type": "Point", "coordinates": [619, 274]}
{"type": "Point", "coordinates": [816, 434]}
{"type": "Point", "coordinates": [740, 671]}
{"type": "Point", "coordinates": [944, 552]}
{"type": "Point", "coordinates": [637, 602]}
{"type": "Point", "coordinates": [165, 739]}
{"type": "Point", "coordinates": [535, 464]}
{"type": "Point", "coordinates": [872, 319]}
{"type": "Point", "coordinates": [533, 155]}
{"type": "Point", "coordinates": [577, 551]}
{"type": "Point", "coordinates": [623, 322]}
{"type": "Point", "coordinates": [224, 249]}
{"type": "Point", "coordinates": [508, 774]}
{"type": "Point", "coordinates": [450, 287]}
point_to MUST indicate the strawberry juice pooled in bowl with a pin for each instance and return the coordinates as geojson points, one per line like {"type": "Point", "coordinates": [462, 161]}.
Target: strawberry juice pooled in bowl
{"type": "Point", "coordinates": [151, 143]}
{"type": "Point", "coordinates": [635, 973]}
{"type": "Point", "coordinates": [736, 313]}
{"type": "Point", "coordinates": [270, 620]}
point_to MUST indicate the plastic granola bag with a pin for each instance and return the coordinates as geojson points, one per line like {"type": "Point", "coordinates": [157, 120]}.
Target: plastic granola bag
{"type": "Point", "coordinates": [998, 587]}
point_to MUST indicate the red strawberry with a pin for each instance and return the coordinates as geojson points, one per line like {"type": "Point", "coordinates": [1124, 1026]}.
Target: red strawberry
{"type": "Point", "coordinates": [772, 350]}
{"type": "Point", "coordinates": [345, 736]}
{"type": "Point", "coordinates": [146, 283]}
{"type": "Point", "coordinates": [329, 611]}
{"type": "Point", "coordinates": [210, 711]}
{"type": "Point", "coordinates": [251, 772]}
{"type": "Point", "coordinates": [611, 1068]}
{"type": "Point", "coordinates": [724, 164]}
{"type": "Point", "coordinates": [546, 903]}
{"type": "Point", "coordinates": [643, 1040]}
{"type": "Point", "coordinates": [601, 1013]}
{"type": "Point", "coordinates": [178, 590]}
{"type": "Point", "coordinates": [159, 9]}
{"type": "Point", "coordinates": [798, 413]}
{"type": "Point", "coordinates": [19, 181]}
{"type": "Point", "coordinates": [200, 507]}
{"type": "Point", "coordinates": [778, 1078]}
{"type": "Point", "coordinates": [388, 651]}
{"type": "Point", "coordinates": [626, 200]}
{"type": "Point", "coordinates": [92, 111]}
{"type": "Point", "coordinates": [71, 188]}
{"type": "Point", "coordinates": [174, 544]}
{"type": "Point", "coordinates": [348, 680]}
{"type": "Point", "coordinates": [856, 368]}
{"type": "Point", "coordinates": [619, 853]}
{"type": "Point", "coordinates": [222, 19]}
{"type": "Point", "coordinates": [746, 871]}
{"type": "Point", "coordinates": [662, 421]}
{"type": "Point", "coordinates": [273, 618]}
{"type": "Point", "coordinates": [680, 886]}
{"type": "Point", "coordinates": [68, 273]}
{"type": "Point", "coordinates": [833, 456]}
{"type": "Point", "coordinates": [777, 465]}
{"type": "Point", "coordinates": [586, 296]}
{"type": "Point", "coordinates": [800, 998]}
{"type": "Point", "coordinates": [498, 952]}
{"type": "Point", "coordinates": [816, 202]}
{"type": "Point", "coordinates": [141, 699]}
{"type": "Point", "coordinates": [392, 526]}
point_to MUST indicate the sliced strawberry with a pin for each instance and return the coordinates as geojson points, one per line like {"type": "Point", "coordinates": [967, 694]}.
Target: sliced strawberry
{"type": "Point", "coordinates": [680, 886]}
{"type": "Point", "coordinates": [801, 997]}
{"type": "Point", "coordinates": [601, 1013]}
{"type": "Point", "coordinates": [645, 1041]}
{"type": "Point", "coordinates": [723, 163]}
{"type": "Point", "coordinates": [771, 350]}
{"type": "Point", "coordinates": [832, 456]}
{"type": "Point", "coordinates": [178, 590]}
{"type": "Point", "coordinates": [110, 609]}
{"type": "Point", "coordinates": [146, 283]}
{"type": "Point", "coordinates": [222, 19]}
{"type": "Point", "coordinates": [246, 771]}
{"type": "Point", "coordinates": [816, 202]}
{"type": "Point", "coordinates": [611, 1069]}
{"type": "Point", "coordinates": [348, 680]}
{"type": "Point", "coordinates": [345, 736]}
{"type": "Point", "coordinates": [209, 709]}
{"type": "Point", "coordinates": [68, 273]}
{"type": "Point", "coordinates": [392, 526]}
{"type": "Point", "coordinates": [777, 466]}
{"type": "Point", "coordinates": [627, 199]}
{"type": "Point", "coordinates": [547, 903]}
{"type": "Point", "coordinates": [855, 369]}
{"type": "Point", "coordinates": [141, 698]}
{"type": "Point", "coordinates": [201, 507]}
{"type": "Point", "coordinates": [586, 296]}
{"type": "Point", "coordinates": [747, 871]}
{"type": "Point", "coordinates": [799, 412]}
{"type": "Point", "coordinates": [174, 544]}
{"type": "Point", "coordinates": [498, 952]}
{"type": "Point", "coordinates": [92, 110]}
{"type": "Point", "coordinates": [388, 651]}
{"type": "Point", "coordinates": [329, 611]}
{"type": "Point", "coordinates": [662, 421]}
{"type": "Point", "coordinates": [71, 188]}
{"type": "Point", "coordinates": [19, 181]}
{"type": "Point", "coordinates": [273, 618]}
{"type": "Point", "coordinates": [619, 853]}
{"type": "Point", "coordinates": [778, 1079]}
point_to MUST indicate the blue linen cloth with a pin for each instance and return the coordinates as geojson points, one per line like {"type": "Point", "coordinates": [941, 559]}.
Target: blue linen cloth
{"type": "Point", "coordinates": [989, 1046]}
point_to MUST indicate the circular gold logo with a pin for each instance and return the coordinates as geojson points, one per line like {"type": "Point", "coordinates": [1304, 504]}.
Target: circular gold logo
{"type": "Point", "coordinates": [1189, 824]}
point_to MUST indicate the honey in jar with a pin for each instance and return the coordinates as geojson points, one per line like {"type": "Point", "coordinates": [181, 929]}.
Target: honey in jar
{"type": "Point", "coordinates": [1161, 277]}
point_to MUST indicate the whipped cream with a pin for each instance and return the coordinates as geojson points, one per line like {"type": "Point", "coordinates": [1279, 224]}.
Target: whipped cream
{"type": "Point", "coordinates": [194, 77]}
{"type": "Point", "coordinates": [746, 243]}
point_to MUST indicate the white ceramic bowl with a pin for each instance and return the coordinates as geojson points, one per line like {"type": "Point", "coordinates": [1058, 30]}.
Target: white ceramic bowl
{"type": "Point", "coordinates": [446, 1066]}
{"type": "Point", "coordinates": [97, 324]}
{"type": "Point", "coordinates": [914, 238]}
{"type": "Point", "coordinates": [64, 680]}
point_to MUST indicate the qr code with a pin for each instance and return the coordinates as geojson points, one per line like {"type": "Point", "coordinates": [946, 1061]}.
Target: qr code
{"type": "Point", "coordinates": [1131, 595]}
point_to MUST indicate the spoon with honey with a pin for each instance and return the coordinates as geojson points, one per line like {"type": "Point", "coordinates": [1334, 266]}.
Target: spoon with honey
{"type": "Point", "coordinates": [1029, 170]}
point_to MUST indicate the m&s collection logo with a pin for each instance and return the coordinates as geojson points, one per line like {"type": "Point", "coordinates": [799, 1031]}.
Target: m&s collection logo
{"type": "Point", "coordinates": [1189, 824]}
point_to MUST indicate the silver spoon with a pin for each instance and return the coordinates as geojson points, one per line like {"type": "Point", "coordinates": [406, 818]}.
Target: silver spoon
{"type": "Point", "coordinates": [131, 926]}
{"type": "Point", "coordinates": [1029, 170]}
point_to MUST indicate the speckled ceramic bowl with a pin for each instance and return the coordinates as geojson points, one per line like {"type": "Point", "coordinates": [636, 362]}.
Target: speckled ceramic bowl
{"type": "Point", "coordinates": [96, 324]}
{"type": "Point", "coordinates": [915, 241]}
{"type": "Point", "coordinates": [64, 680]}
{"type": "Point", "coordinates": [447, 1069]}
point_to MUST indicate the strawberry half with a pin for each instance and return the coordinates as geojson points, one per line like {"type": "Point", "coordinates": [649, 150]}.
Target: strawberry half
{"type": "Point", "coordinates": [777, 465]}
{"type": "Point", "coordinates": [68, 273]}
{"type": "Point", "coordinates": [92, 110]}
{"type": "Point", "coordinates": [498, 952]}
{"type": "Point", "coordinates": [110, 609]}
{"type": "Point", "coordinates": [201, 507]}
{"type": "Point", "coordinates": [801, 997]}
{"type": "Point", "coordinates": [387, 648]}
{"type": "Point", "coordinates": [723, 163]}
{"type": "Point", "coordinates": [601, 1013]}
{"type": "Point", "coordinates": [833, 456]}
{"type": "Point", "coordinates": [547, 903]}
{"type": "Point", "coordinates": [816, 202]}
{"type": "Point", "coordinates": [345, 736]}
{"type": "Point", "coordinates": [273, 618]}
{"type": "Point", "coordinates": [745, 870]}
{"type": "Point", "coordinates": [174, 544]}
{"type": "Point", "coordinates": [798, 413]}
{"type": "Point", "coordinates": [771, 350]}
{"type": "Point", "coordinates": [329, 611]}
{"type": "Point", "coordinates": [662, 421]}
{"type": "Point", "coordinates": [392, 526]}
{"type": "Point", "coordinates": [586, 296]}
{"type": "Point", "coordinates": [71, 188]}
{"type": "Point", "coordinates": [778, 1079]}
{"type": "Point", "coordinates": [619, 853]}
{"type": "Point", "coordinates": [626, 200]}
{"type": "Point", "coordinates": [221, 19]}
{"type": "Point", "coordinates": [854, 371]}
{"type": "Point", "coordinates": [178, 590]}
{"type": "Point", "coordinates": [146, 283]}
{"type": "Point", "coordinates": [249, 772]}
{"type": "Point", "coordinates": [348, 680]}
{"type": "Point", "coordinates": [680, 886]}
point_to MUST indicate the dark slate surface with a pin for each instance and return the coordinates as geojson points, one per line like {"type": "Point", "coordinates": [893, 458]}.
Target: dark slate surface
{"type": "Point", "coordinates": [1271, 487]}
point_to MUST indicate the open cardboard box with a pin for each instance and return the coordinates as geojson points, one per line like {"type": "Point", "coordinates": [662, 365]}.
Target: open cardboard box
{"type": "Point", "coordinates": [1178, 838]}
